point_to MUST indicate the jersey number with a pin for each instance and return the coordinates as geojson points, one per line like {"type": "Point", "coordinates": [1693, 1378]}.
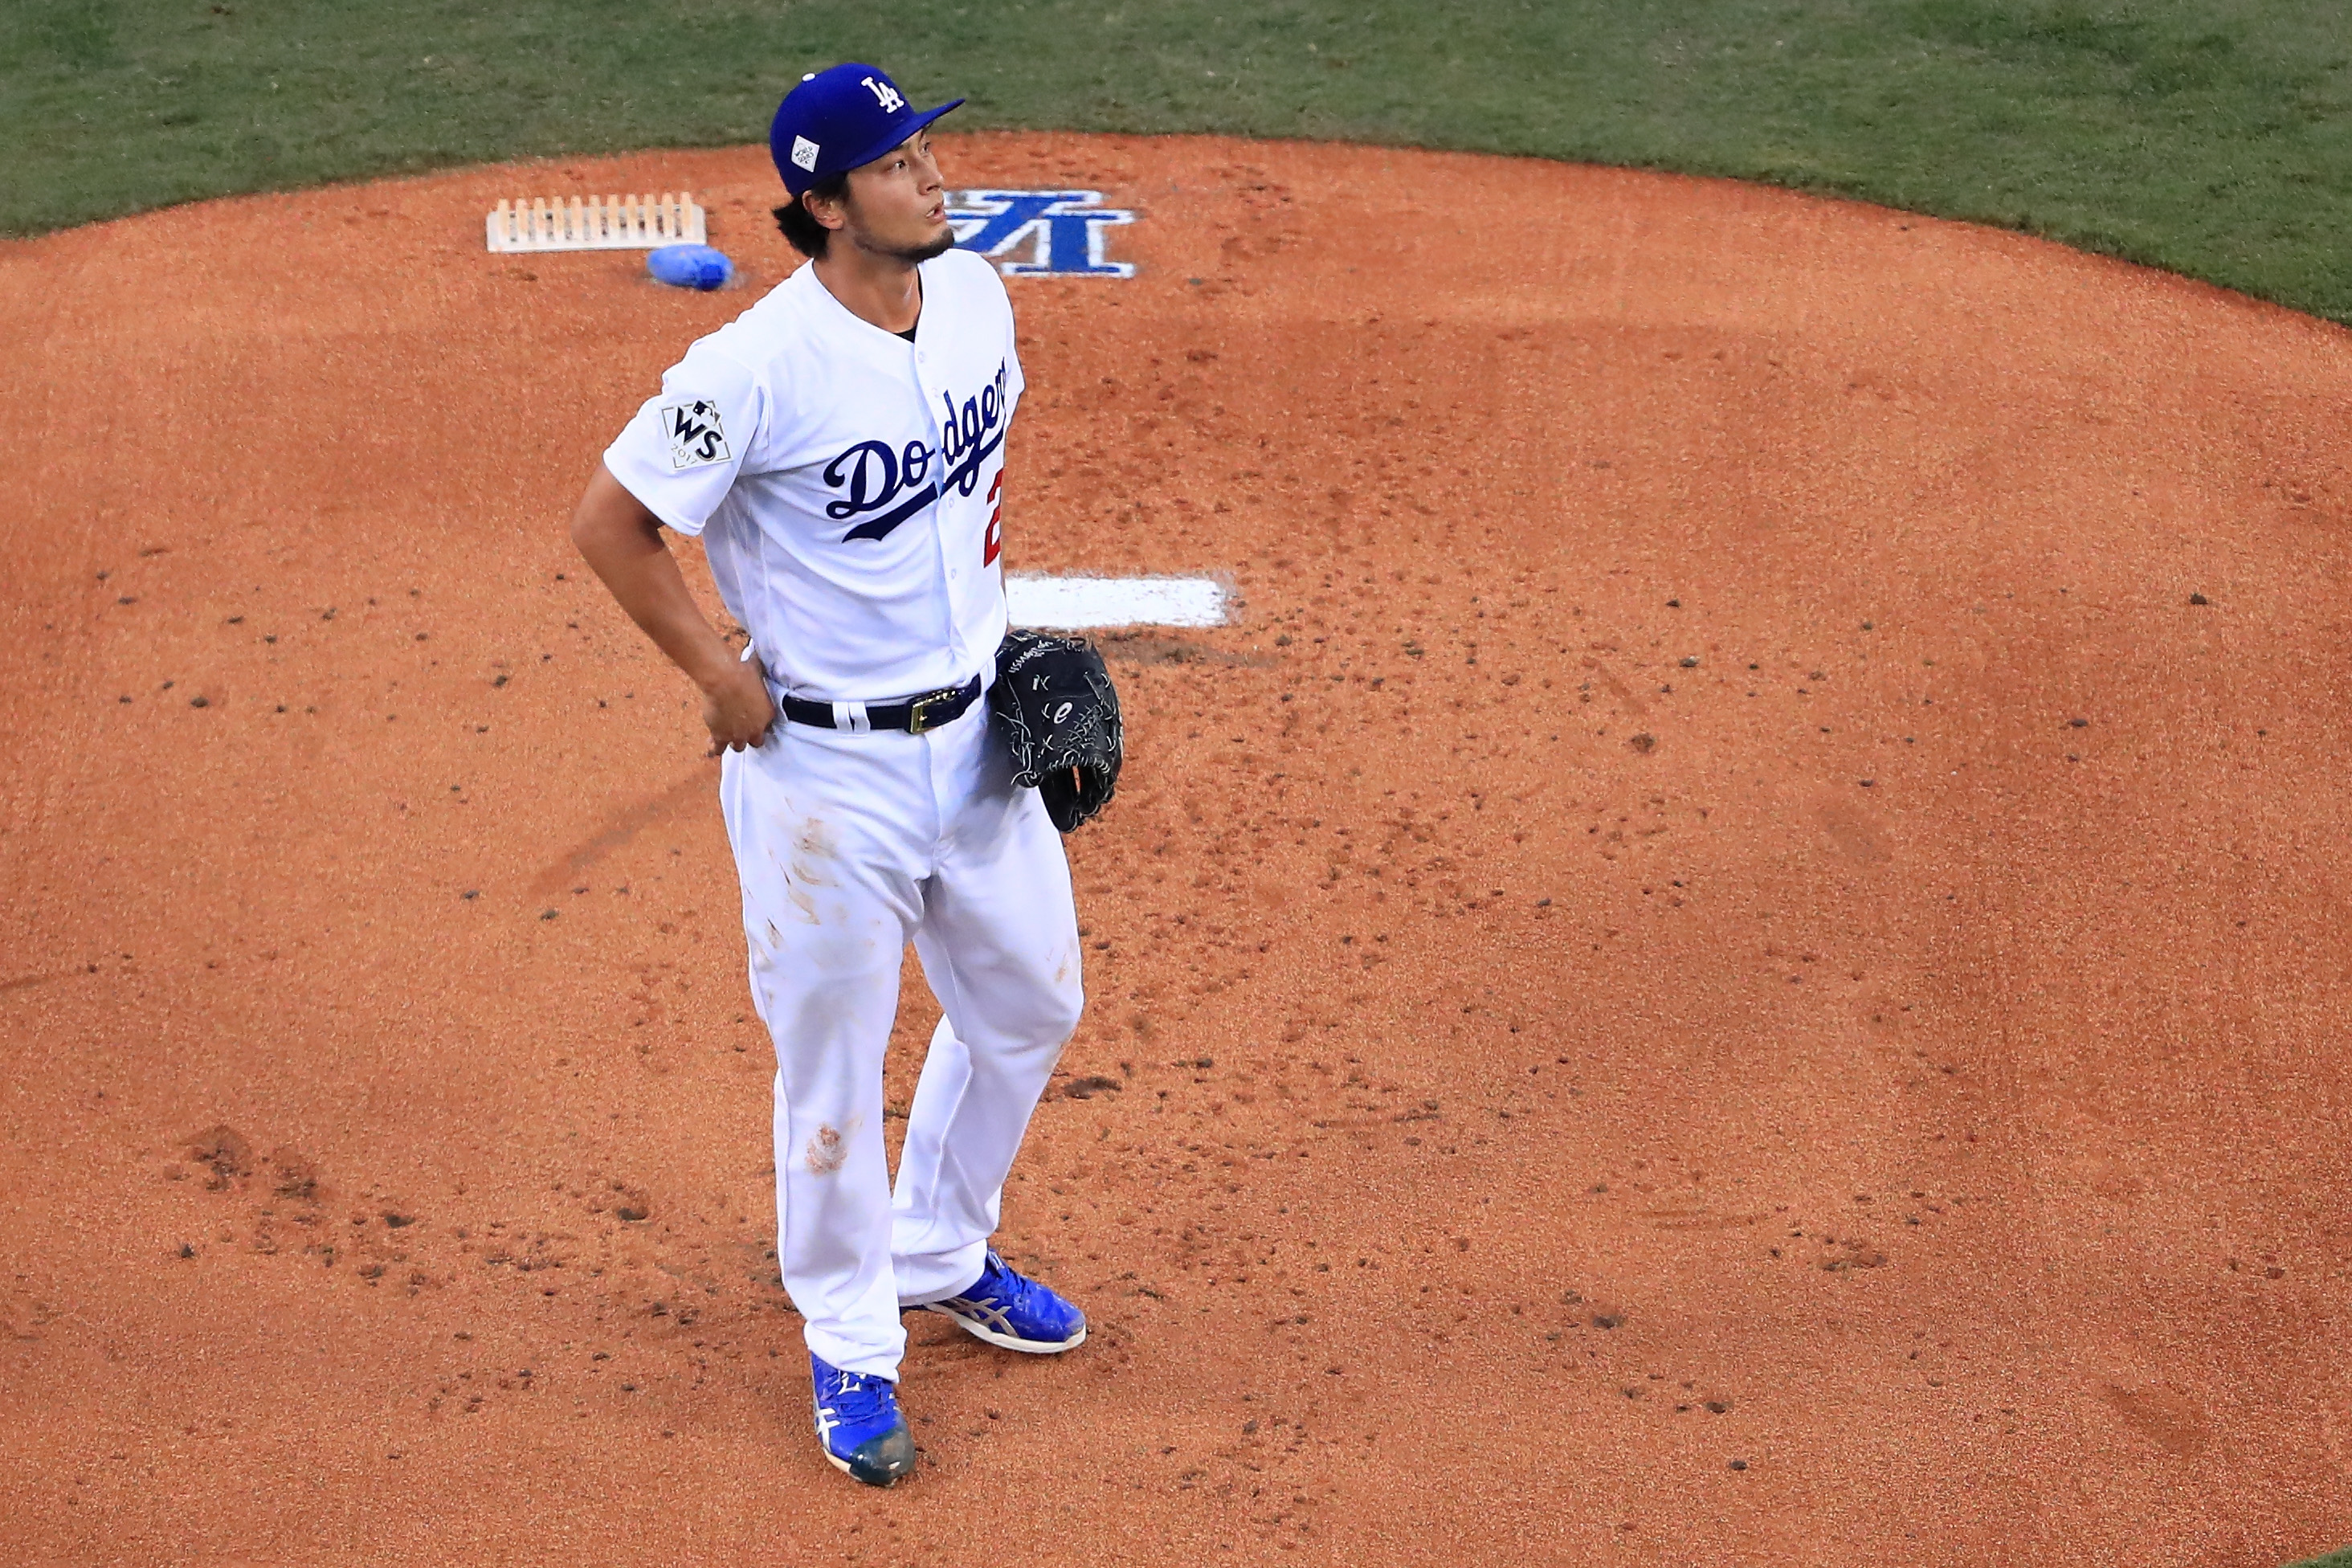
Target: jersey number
{"type": "Point", "coordinates": [995, 542]}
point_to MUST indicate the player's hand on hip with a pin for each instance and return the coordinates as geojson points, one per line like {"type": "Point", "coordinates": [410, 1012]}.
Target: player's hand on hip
{"type": "Point", "coordinates": [737, 708]}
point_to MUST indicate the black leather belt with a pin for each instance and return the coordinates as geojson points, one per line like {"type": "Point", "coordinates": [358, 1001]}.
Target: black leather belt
{"type": "Point", "coordinates": [913, 714]}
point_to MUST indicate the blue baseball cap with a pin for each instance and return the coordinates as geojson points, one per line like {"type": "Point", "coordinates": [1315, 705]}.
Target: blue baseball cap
{"type": "Point", "coordinates": [839, 118]}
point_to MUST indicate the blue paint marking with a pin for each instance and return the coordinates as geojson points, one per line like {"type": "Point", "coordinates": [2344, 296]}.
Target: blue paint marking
{"type": "Point", "coordinates": [1066, 229]}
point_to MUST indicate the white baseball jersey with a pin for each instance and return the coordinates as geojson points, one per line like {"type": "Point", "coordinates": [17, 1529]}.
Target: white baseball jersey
{"type": "Point", "coordinates": [847, 483]}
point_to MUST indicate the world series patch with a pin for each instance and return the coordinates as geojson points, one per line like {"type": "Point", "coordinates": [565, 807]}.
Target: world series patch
{"type": "Point", "coordinates": [695, 436]}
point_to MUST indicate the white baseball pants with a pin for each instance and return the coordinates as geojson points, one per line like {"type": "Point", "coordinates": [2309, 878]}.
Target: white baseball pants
{"type": "Point", "coordinates": [849, 844]}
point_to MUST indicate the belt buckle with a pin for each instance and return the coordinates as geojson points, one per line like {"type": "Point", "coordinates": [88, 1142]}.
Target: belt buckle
{"type": "Point", "coordinates": [919, 712]}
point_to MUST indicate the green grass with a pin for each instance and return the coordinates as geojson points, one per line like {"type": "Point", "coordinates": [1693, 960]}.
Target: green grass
{"type": "Point", "coordinates": [2214, 139]}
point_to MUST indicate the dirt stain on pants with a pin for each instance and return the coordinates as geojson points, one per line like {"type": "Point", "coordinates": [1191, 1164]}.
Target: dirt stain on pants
{"type": "Point", "coordinates": [826, 1151]}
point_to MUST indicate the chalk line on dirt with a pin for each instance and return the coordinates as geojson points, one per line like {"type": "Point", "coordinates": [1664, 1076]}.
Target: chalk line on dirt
{"type": "Point", "coordinates": [1072, 603]}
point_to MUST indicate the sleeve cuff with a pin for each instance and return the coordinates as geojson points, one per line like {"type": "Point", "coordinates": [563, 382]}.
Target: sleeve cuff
{"type": "Point", "coordinates": [668, 516]}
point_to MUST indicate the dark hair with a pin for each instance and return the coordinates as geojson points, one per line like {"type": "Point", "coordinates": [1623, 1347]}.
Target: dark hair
{"type": "Point", "coordinates": [808, 235]}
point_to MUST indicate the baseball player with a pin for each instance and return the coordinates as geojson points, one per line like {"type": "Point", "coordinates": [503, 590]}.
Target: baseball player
{"type": "Point", "coordinates": [839, 449]}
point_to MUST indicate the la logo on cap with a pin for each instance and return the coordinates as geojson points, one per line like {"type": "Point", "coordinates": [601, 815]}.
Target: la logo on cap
{"type": "Point", "coordinates": [803, 152]}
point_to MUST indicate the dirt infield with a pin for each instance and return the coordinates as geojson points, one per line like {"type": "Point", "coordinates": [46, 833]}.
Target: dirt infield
{"type": "Point", "coordinates": [1740, 959]}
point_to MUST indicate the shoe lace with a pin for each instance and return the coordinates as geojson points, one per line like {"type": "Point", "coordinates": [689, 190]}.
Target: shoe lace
{"type": "Point", "coordinates": [1015, 1291]}
{"type": "Point", "coordinates": [856, 1397]}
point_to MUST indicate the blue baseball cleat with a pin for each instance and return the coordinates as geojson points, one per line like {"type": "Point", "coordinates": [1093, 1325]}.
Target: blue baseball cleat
{"type": "Point", "coordinates": [1008, 1310]}
{"type": "Point", "coordinates": [857, 1421]}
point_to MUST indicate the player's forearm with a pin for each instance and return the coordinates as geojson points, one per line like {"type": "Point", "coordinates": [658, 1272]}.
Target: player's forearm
{"type": "Point", "coordinates": [622, 543]}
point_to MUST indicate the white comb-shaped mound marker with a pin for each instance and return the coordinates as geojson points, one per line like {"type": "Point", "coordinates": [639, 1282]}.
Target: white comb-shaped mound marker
{"type": "Point", "coordinates": [598, 223]}
{"type": "Point", "coordinates": [1073, 604]}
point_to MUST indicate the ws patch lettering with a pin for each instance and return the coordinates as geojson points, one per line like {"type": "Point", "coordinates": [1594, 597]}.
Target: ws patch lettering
{"type": "Point", "coordinates": [695, 434]}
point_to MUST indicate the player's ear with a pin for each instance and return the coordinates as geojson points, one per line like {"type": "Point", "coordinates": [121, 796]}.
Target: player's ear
{"type": "Point", "coordinates": [830, 212]}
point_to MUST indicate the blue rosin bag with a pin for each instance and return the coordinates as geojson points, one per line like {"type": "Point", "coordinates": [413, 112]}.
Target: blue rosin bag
{"type": "Point", "coordinates": [690, 265]}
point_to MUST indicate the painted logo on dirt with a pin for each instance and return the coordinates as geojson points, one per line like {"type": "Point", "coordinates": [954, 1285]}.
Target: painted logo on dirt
{"type": "Point", "coordinates": [1063, 231]}
{"type": "Point", "coordinates": [873, 477]}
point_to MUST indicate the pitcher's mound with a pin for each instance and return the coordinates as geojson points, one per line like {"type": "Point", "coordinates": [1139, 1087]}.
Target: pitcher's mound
{"type": "Point", "coordinates": [1739, 958]}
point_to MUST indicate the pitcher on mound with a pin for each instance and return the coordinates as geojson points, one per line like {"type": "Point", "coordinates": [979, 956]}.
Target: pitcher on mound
{"type": "Point", "coordinates": [839, 448]}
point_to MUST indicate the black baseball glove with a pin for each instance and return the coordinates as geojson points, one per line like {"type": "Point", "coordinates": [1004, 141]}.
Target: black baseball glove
{"type": "Point", "coordinates": [1053, 704]}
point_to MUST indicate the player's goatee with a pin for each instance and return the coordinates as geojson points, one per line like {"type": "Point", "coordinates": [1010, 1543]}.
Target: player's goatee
{"type": "Point", "coordinates": [923, 252]}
